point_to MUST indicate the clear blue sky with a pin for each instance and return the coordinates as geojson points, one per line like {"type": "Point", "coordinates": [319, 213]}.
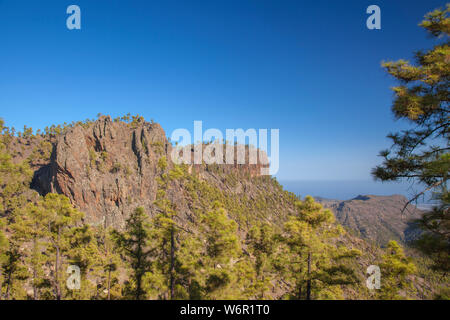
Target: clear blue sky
{"type": "Point", "coordinates": [309, 68]}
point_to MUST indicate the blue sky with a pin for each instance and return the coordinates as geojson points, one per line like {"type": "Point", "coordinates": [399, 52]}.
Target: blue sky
{"type": "Point", "coordinates": [309, 68]}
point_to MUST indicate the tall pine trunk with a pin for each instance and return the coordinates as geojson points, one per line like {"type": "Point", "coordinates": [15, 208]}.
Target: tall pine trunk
{"type": "Point", "coordinates": [57, 286]}
{"type": "Point", "coordinates": [8, 287]}
{"type": "Point", "coordinates": [35, 293]}
{"type": "Point", "coordinates": [35, 297]}
{"type": "Point", "coordinates": [139, 269]}
{"type": "Point", "coordinates": [308, 284]}
{"type": "Point", "coordinates": [109, 284]}
{"type": "Point", "coordinates": [172, 264]}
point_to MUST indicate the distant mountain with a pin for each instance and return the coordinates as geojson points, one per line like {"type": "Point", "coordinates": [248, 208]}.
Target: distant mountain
{"type": "Point", "coordinates": [377, 218]}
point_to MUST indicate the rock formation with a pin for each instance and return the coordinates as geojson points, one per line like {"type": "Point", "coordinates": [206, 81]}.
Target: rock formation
{"type": "Point", "coordinates": [108, 168]}
{"type": "Point", "coordinates": [378, 218]}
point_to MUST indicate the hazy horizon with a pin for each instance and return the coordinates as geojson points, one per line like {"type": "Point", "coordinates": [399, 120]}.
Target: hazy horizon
{"type": "Point", "coordinates": [349, 189]}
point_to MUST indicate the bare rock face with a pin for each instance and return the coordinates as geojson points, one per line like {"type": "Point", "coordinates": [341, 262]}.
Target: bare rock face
{"type": "Point", "coordinates": [108, 168]}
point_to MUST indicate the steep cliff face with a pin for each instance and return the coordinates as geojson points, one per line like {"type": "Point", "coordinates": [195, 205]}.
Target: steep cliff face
{"type": "Point", "coordinates": [108, 168]}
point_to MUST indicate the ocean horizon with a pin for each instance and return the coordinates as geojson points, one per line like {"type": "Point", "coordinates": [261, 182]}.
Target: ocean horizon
{"type": "Point", "coordinates": [349, 189]}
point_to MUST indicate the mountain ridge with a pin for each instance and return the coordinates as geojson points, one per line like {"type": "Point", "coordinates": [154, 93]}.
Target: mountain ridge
{"type": "Point", "coordinates": [377, 218]}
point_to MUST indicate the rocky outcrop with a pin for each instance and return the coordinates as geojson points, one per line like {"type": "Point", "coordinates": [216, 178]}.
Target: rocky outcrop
{"type": "Point", "coordinates": [108, 168]}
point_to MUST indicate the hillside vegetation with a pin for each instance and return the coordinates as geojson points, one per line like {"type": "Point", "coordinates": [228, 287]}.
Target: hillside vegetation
{"type": "Point", "coordinates": [104, 196]}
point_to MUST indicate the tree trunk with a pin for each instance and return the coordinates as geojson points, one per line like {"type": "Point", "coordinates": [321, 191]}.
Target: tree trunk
{"type": "Point", "coordinates": [35, 297]}
{"type": "Point", "coordinates": [308, 284]}
{"type": "Point", "coordinates": [35, 293]}
{"type": "Point", "coordinates": [172, 264]}
{"type": "Point", "coordinates": [8, 286]}
{"type": "Point", "coordinates": [109, 284]}
{"type": "Point", "coordinates": [57, 287]}
{"type": "Point", "coordinates": [139, 272]}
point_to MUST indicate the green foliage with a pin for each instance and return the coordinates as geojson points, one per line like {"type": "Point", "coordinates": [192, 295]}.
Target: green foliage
{"type": "Point", "coordinates": [135, 248]}
{"type": "Point", "coordinates": [308, 260]}
{"type": "Point", "coordinates": [224, 268]}
{"type": "Point", "coordinates": [177, 173]}
{"type": "Point", "coordinates": [127, 170]}
{"type": "Point", "coordinates": [158, 147]}
{"type": "Point", "coordinates": [104, 156]}
{"type": "Point", "coordinates": [162, 163]}
{"type": "Point", "coordinates": [395, 268]}
{"type": "Point", "coordinates": [221, 239]}
{"type": "Point", "coordinates": [61, 220]}
{"type": "Point", "coordinates": [41, 241]}
{"type": "Point", "coordinates": [236, 244]}
{"type": "Point", "coordinates": [422, 153]}
{"type": "Point", "coordinates": [443, 294]}
{"type": "Point", "coordinates": [136, 121]}
{"type": "Point", "coordinates": [14, 182]}
{"type": "Point", "coordinates": [92, 157]}
{"type": "Point", "coordinates": [262, 243]}
{"type": "Point", "coordinates": [29, 227]}
{"type": "Point", "coordinates": [116, 167]}
{"type": "Point", "coordinates": [434, 242]}
{"type": "Point", "coordinates": [109, 263]}
{"type": "Point", "coordinates": [27, 132]}
{"type": "Point", "coordinates": [42, 152]}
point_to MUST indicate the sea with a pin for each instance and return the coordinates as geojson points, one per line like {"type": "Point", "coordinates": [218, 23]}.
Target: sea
{"type": "Point", "coordinates": [349, 189]}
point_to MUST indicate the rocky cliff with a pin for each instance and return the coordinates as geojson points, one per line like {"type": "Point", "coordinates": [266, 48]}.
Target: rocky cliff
{"type": "Point", "coordinates": [107, 168]}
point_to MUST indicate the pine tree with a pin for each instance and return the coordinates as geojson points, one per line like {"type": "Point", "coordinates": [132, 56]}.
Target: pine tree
{"type": "Point", "coordinates": [308, 260]}
{"type": "Point", "coordinates": [14, 193]}
{"type": "Point", "coordinates": [109, 263]}
{"type": "Point", "coordinates": [171, 277]}
{"type": "Point", "coordinates": [422, 153]}
{"type": "Point", "coordinates": [134, 244]}
{"type": "Point", "coordinates": [15, 273]}
{"type": "Point", "coordinates": [14, 182]}
{"type": "Point", "coordinates": [84, 253]}
{"type": "Point", "coordinates": [222, 250]}
{"type": "Point", "coordinates": [30, 226]}
{"type": "Point", "coordinates": [3, 248]}
{"type": "Point", "coordinates": [395, 269]}
{"type": "Point", "coordinates": [14, 267]}
{"type": "Point", "coordinates": [189, 257]}
{"type": "Point", "coordinates": [262, 246]}
{"type": "Point", "coordinates": [166, 237]}
{"type": "Point", "coordinates": [63, 219]}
